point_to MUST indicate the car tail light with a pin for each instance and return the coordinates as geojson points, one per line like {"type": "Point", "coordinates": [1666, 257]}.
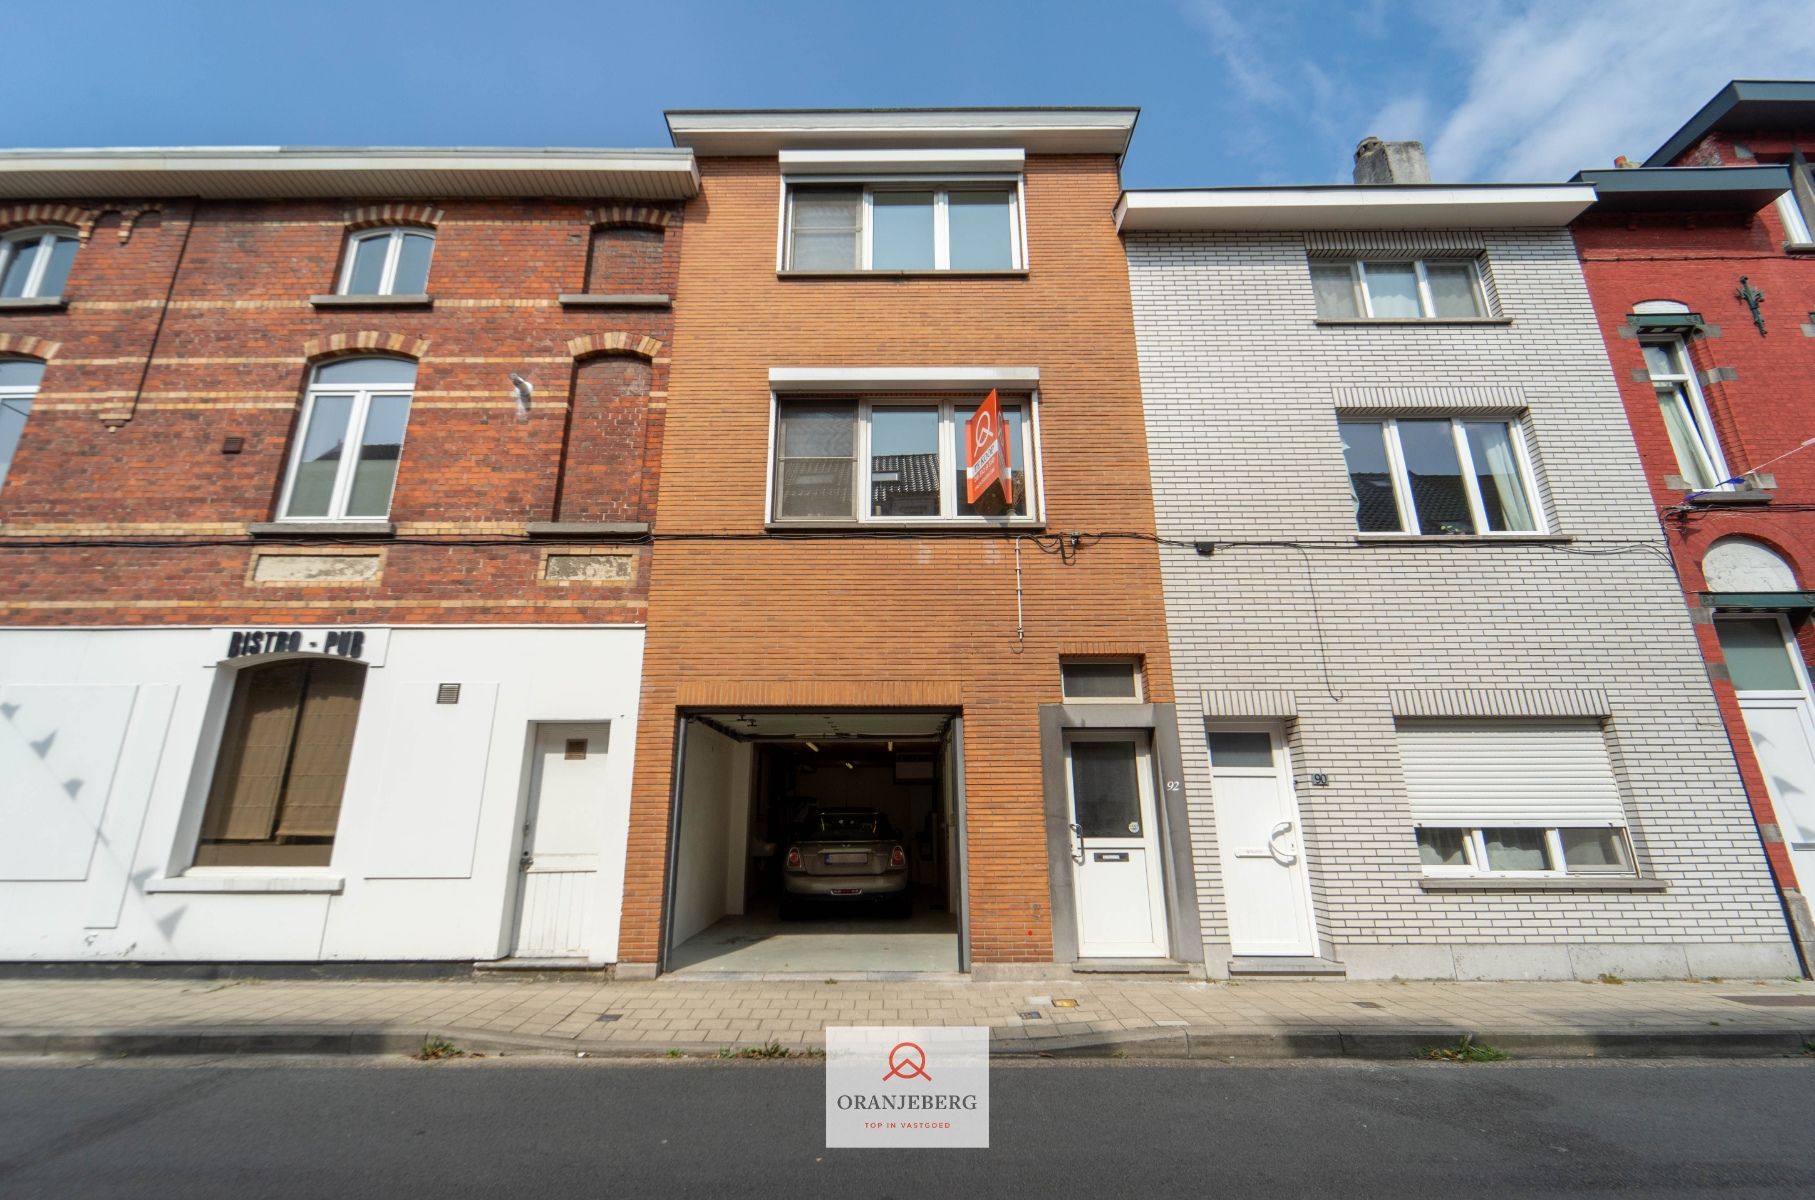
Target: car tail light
{"type": "Point", "coordinates": [794, 863]}
{"type": "Point", "coordinates": [897, 858]}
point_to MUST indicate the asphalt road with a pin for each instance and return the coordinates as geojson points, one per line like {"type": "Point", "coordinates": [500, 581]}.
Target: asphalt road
{"type": "Point", "coordinates": [594, 1129]}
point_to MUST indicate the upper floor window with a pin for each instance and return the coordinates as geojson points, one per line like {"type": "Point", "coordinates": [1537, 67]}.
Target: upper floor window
{"type": "Point", "coordinates": [388, 262]}
{"type": "Point", "coordinates": [1450, 475]}
{"type": "Point", "coordinates": [19, 379]}
{"type": "Point", "coordinates": [1393, 289]}
{"type": "Point", "coordinates": [34, 263]}
{"type": "Point", "coordinates": [344, 463]}
{"type": "Point", "coordinates": [1686, 417]}
{"type": "Point", "coordinates": [904, 226]}
{"type": "Point", "coordinates": [880, 461]}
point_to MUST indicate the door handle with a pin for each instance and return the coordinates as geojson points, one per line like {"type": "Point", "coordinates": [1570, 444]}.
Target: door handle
{"type": "Point", "coordinates": [1282, 857]}
{"type": "Point", "coordinates": [1077, 847]}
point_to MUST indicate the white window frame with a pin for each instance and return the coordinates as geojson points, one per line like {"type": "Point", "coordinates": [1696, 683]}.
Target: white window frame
{"type": "Point", "coordinates": [1471, 486]}
{"type": "Point", "coordinates": [1474, 848]}
{"type": "Point", "coordinates": [39, 237]}
{"type": "Point", "coordinates": [1134, 669]}
{"type": "Point", "coordinates": [949, 439]}
{"type": "Point", "coordinates": [387, 282]}
{"type": "Point", "coordinates": [356, 431]}
{"type": "Point", "coordinates": [1707, 439]}
{"type": "Point", "coordinates": [1795, 225]}
{"type": "Point", "coordinates": [1358, 279]}
{"type": "Point", "coordinates": [941, 186]}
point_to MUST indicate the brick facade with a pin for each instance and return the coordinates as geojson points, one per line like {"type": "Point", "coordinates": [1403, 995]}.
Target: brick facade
{"type": "Point", "coordinates": [855, 620]}
{"type": "Point", "coordinates": [191, 323]}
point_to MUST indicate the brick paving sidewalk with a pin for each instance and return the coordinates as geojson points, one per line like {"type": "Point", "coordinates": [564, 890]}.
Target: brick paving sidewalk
{"type": "Point", "coordinates": [698, 1016]}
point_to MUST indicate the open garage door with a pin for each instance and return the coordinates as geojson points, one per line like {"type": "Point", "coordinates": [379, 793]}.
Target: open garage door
{"type": "Point", "coordinates": [817, 843]}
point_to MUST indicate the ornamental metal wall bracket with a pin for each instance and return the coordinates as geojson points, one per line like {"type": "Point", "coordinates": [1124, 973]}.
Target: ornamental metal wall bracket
{"type": "Point", "coordinates": [1753, 298]}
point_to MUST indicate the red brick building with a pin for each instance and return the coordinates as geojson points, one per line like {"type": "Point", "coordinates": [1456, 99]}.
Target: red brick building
{"type": "Point", "coordinates": [325, 487]}
{"type": "Point", "coordinates": [1702, 271]}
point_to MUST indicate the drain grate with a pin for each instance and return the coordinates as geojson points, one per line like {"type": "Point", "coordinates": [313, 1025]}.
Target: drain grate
{"type": "Point", "coordinates": [1774, 1001]}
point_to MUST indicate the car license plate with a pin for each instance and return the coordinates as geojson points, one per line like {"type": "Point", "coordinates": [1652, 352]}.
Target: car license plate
{"type": "Point", "coordinates": [847, 891]}
{"type": "Point", "coordinates": [855, 857]}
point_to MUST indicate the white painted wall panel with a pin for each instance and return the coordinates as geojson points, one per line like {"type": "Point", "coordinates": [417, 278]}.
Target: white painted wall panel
{"type": "Point", "coordinates": [421, 820]}
{"type": "Point", "coordinates": [58, 749]}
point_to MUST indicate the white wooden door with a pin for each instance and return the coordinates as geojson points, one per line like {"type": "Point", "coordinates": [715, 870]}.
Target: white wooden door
{"type": "Point", "coordinates": [562, 836]}
{"type": "Point", "coordinates": [1773, 688]}
{"type": "Point", "coordinates": [1115, 846]}
{"type": "Point", "coordinates": [1265, 883]}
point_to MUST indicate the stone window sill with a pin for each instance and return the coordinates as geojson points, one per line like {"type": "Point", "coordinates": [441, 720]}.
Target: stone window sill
{"type": "Point", "coordinates": [1719, 498]}
{"type": "Point", "coordinates": [1413, 322]}
{"type": "Point", "coordinates": [1799, 247]}
{"type": "Point", "coordinates": [321, 529]}
{"type": "Point", "coordinates": [614, 300]}
{"type": "Point", "coordinates": [410, 301]}
{"type": "Point", "coordinates": [859, 528]}
{"type": "Point", "coordinates": [1462, 539]}
{"type": "Point", "coordinates": [1003, 273]}
{"type": "Point", "coordinates": [291, 883]}
{"type": "Point", "coordinates": [1574, 883]}
{"type": "Point", "coordinates": [33, 304]}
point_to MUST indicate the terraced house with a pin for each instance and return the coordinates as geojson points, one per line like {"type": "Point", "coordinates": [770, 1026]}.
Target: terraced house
{"type": "Point", "coordinates": [1441, 710]}
{"type": "Point", "coordinates": [326, 484]}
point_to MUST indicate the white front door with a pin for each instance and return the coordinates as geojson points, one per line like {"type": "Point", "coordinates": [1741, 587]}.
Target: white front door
{"type": "Point", "coordinates": [1265, 883]}
{"type": "Point", "coordinates": [1115, 846]}
{"type": "Point", "coordinates": [562, 836]}
{"type": "Point", "coordinates": [1773, 692]}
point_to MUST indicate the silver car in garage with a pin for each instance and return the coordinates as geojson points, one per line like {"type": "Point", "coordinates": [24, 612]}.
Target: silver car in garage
{"type": "Point", "coordinates": [849, 855]}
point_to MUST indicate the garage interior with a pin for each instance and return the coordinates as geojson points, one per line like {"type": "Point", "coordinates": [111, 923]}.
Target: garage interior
{"type": "Point", "coordinates": [746, 778]}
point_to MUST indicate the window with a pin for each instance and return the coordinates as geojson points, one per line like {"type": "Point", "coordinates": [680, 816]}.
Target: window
{"type": "Point", "coordinates": [344, 464]}
{"type": "Point", "coordinates": [1090, 679]}
{"type": "Point", "coordinates": [19, 379]}
{"type": "Point", "coordinates": [1757, 650]}
{"type": "Point", "coordinates": [1686, 417]}
{"type": "Point", "coordinates": [34, 263]}
{"type": "Point", "coordinates": [1514, 798]}
{"type": "Point", "coordinates": [1450, 475]}
{"type": "Point", "coordinates": [1410, 289]}
{"type": "Point", "coordinates": [388, 262]}
{"type": "Point", "coordinates": [275, 800]}
{"type": "Point", "coordinates": [908, 226]}
{"type": "Point", "coordinates": [881, 461]}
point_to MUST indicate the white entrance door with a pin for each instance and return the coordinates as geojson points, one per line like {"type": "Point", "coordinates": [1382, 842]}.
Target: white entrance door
{"type": "Point", "coordinates": [562, 837]}
{"type": "Point", "coordinates": [1115, 846]}
{"type": "Point", "coordinates": [1265, 883]}
{"type": "Point", "coordinates": [1773, 692]}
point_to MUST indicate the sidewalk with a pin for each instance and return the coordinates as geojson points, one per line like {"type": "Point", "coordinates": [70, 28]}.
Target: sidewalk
{"type": "Point", "coordinates": [1119, 1017]}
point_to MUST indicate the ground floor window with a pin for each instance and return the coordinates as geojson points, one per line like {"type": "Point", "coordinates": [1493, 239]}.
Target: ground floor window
{"type": "Point", "coordinates": [1514, 798]}
{"type": "Point", "coordinates": [275, 799]}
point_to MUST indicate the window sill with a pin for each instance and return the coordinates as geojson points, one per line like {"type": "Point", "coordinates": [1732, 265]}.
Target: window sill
{"type": "Point", "coordinates": [1412, 322]}
{"type": "Point", "coordinates": [321, 529]}
{"type": "Point", "coordinates": [294, 883]}
{"type": "Point", "coordinates": [1463, 539]}
{"type": "Point", "coordinates": [33, 304]}
{"type": "Point", "coordinates": [614, 300]}
{"type": "Point", "coordinates": [998, 273]}
{"type": "Point", "coordinates": [1723, 498]}
{"type": "Point", "coordinates": [587, 529]}
{"type": "Point", "coordinates": [863, 527]}
{"type": "Point", "coordinates": [1573, 883]}
{"type": "Point", "coordinates": [1799, 247]}
{"type": "Point", "coordinates": [410, 301]}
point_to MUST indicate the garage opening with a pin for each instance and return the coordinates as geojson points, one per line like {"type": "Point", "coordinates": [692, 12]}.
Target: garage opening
{"type": "Point", "coordinates": [817, 843]}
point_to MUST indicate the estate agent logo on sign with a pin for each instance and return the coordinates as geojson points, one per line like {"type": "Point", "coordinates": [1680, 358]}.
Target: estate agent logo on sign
{"type": "Point", "coordinates": [986, 455]}
{"type": "Point", "coordinates": [905, 1086]}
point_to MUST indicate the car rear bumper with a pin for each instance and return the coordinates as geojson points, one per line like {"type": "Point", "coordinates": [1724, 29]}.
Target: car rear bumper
{"type": "Point", "coordinates": [841, 887]}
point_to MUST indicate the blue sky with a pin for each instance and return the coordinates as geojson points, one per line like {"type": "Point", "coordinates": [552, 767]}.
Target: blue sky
{"type": "Point", "coordinates": [1232, 91]}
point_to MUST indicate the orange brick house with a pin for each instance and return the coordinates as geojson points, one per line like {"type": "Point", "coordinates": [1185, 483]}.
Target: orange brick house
{"type": "Point", "coordinates": [836, 627]}
{"type": "Point", "coordinates": [325, 486]}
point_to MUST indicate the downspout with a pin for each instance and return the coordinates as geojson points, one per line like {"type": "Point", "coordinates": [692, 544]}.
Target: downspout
{"type": "Point", "coordinates": [114, 418]}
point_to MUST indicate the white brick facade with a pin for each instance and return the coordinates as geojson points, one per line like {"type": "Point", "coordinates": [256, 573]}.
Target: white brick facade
{"type": "Point", "coordinates": [1242, 389]}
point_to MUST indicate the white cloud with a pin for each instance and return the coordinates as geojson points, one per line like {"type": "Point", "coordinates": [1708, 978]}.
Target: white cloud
{"type": "Point", "coordinates": [1555, 86]}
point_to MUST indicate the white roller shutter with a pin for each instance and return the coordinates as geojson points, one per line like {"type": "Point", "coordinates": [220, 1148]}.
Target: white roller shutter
{"type": "Point", "coordinates": [1531, 774]}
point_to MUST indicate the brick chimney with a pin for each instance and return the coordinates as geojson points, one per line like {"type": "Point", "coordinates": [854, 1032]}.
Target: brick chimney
{"type": "Point", "coordinates": [1390, 162]}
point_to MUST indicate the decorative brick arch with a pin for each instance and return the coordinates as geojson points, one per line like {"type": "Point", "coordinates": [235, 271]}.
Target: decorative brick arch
{"type": "Point", "coordinates": [616, 342]}
{"type": "Point", "coordinates": [378, 215]}
{"type": "Point", "coordinates": [366, 341]}
{"type": "Point", "coordinates": [637, 216]}
{"type": "Point", "coordinates": [20, 216]}
{"type": "Point", "coordinates": [29, 347]}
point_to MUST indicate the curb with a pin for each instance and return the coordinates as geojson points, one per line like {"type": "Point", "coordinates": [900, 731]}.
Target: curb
{"type": "Point", "coordinates": [1200, 1043]}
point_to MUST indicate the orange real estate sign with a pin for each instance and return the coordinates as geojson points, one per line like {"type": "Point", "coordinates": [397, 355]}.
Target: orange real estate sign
{"type": "Point", "coordinates": [986, 458]}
